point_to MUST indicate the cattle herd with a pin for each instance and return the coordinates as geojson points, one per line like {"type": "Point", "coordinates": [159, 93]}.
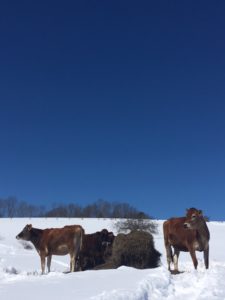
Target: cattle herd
{"type": "Point", "coordinates": [104, 250]}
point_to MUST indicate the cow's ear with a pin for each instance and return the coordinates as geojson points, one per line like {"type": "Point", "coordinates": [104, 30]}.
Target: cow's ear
{"type": "Point", "coordinates": [200, 212]}
{"type": "Point", "coordinates": [29, 227]}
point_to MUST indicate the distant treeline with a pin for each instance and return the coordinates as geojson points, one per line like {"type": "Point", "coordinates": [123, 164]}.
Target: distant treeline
{"type": "Point", "coordinates": [12, 208]}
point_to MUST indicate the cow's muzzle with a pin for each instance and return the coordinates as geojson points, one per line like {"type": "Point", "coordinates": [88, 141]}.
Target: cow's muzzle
{"type": "Point", "coordinates": [187, 225]}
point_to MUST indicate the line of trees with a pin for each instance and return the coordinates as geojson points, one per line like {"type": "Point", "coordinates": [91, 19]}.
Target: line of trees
{"type": "Point", "coordinates": [11, 207]}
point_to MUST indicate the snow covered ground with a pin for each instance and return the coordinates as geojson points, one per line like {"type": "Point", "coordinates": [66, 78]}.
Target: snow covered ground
{"type": "Point", "coordinates": [20, 270]}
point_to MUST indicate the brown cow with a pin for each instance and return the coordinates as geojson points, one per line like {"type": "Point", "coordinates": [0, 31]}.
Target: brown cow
{"type": "Point", "coordinates": [188, 233]}
{"type": "Point", "coordinates": [54, 241]}
{"type": "Point", "coordinates": [95, 249]}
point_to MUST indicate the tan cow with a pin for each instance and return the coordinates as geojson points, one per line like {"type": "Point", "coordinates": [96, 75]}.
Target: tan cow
{"type": "Point", "coordinates": [189, 234]}
{"type": "Point", "coordinates": [54, 241]}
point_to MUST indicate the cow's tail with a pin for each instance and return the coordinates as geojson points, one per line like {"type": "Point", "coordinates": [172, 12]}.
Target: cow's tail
{"type": "Point", "coordinates": [78, 246]}
{"type": "Point", "coordinates": [169, 252]}
{"type": "Point", "coordinates": [81, 238]}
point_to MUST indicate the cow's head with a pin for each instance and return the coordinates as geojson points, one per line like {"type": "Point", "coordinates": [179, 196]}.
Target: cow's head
{"type": "Point", "coordinates": [111, 237]}
{"type": "Point", "coordinates": [194, 218]}
{"type": "Point", "coordinates": [106, 237]}
{"type": "Point", "coordinates": [25, 234]}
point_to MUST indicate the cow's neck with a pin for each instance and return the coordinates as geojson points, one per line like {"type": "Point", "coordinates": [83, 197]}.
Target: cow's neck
{"type": "Point", "coordinates": [36, 236]}
{"type": "Point", "coordinates": [203, 234]}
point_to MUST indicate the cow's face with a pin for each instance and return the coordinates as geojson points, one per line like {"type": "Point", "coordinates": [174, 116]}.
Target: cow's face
{"type": "Point", "coordinates": [111, 237]}
{"type": "Point", "coordinates": [193, 218]}
{"type": "Point", "coordinates": [104, 234]}
{"type": "Point", "coordinates": [25, 234]}
{"type": "Point", "coordinates": [106, 237]}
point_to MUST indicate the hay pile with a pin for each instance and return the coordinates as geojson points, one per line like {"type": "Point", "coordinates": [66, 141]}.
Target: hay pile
{"type": "Point", "coordinates": [135, 249]}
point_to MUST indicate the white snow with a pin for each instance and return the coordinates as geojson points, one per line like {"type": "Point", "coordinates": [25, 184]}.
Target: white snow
{"type": "Point", "coordinates": [20, 270]}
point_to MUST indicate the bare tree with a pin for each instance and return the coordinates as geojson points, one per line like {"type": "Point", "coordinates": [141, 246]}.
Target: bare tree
{"type": "Point", "coordinates": [11, 207]}
{"type": "Point", "coordinates": [139, 224]}
{"type": "Point", "coordinates": [103, 208]}
{"type": "Point", "coordinates": [58, 212]}
{"type": "Point", "coordinates": [2, 208]}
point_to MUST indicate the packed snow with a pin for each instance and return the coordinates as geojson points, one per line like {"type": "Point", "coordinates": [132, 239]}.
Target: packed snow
{"type": "Point", "coordinates": [20, 270]}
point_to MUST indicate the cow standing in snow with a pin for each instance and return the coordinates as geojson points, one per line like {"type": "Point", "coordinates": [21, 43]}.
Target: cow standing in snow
{"type": "Point", "coordinates": [54, 241]}
{"type": "Point", "coordinates": [187, 234]}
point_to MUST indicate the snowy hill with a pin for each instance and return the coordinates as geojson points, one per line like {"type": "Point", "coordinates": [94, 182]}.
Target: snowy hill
{"type": "Point", "coordinates": [20, 270]}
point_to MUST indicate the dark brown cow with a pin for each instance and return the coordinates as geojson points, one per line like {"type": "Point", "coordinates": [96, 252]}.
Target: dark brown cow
{"type": "Point", "coordinates": [188, 233]}
{"type": "Point", "coordinates": [54, 241]}
{"type": "Point", "coordinates": [95, 249]}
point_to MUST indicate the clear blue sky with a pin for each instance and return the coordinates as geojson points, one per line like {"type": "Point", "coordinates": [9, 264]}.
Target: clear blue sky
{"type": "Point", "coordinates": [119, 100]}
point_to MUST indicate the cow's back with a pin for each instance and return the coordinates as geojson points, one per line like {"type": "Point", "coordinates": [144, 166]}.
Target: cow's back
{"type": "Point", "coordinates": [61, 241]}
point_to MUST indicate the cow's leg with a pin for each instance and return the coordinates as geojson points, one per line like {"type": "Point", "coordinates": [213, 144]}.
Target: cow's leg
{"type": "Point", "coordinates": [72, 262]}
{"type": "Point", "coordinates": [79, 262]}
{"type": "Point", "coordinates": [193, 256]}
{"type": "Point", "coordinates": [169, 255]}
{"type": "Point", "coordinates": [49, 259]}
{"type": "Point", "coordinates": [74, 252]}
{"type": "Point", "coordinates": [206, 257]}
{"type": "Point", "coordinates": [175, 259]}
{"type": "Point", "coordinates": [76, 258]}
{"type": "Point", "coordinates": [42, 264]}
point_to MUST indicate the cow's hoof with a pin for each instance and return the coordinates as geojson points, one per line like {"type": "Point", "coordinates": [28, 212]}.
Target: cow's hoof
{"type": "Point", "coordinates": [175, 272]}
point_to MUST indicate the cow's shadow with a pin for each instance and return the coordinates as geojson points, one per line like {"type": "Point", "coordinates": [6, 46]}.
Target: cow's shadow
{"type": "Point", "coordinates": [176, 272]}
